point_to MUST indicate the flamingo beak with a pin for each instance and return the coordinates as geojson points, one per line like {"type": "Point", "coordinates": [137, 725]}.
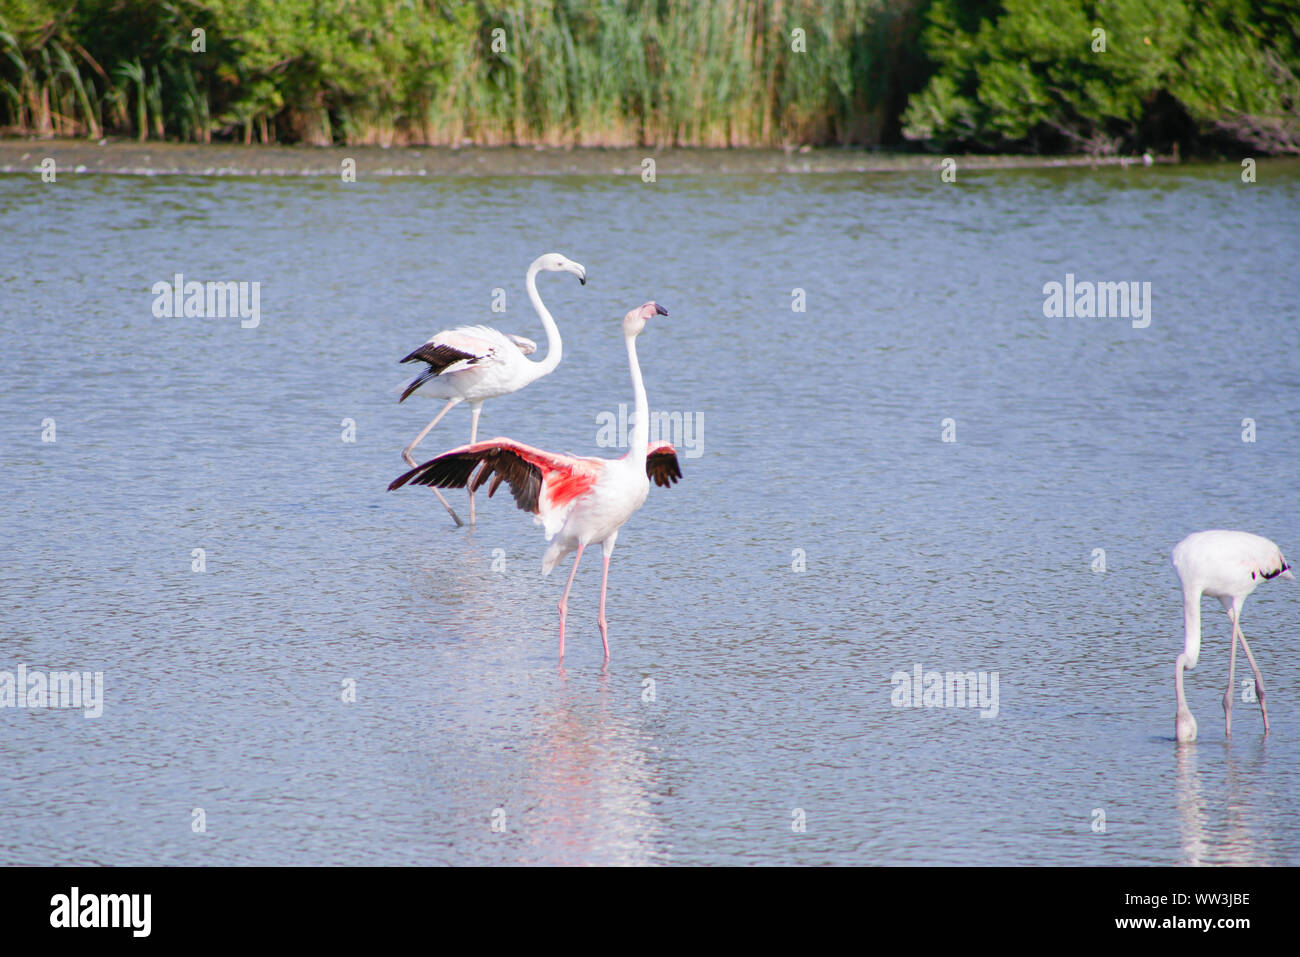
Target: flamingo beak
{"type": "Point", "coordinates": [660, 309]}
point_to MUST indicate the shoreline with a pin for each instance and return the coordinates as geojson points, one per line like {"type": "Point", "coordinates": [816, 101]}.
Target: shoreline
{"type": "Point", "coordinates": [131, 158]}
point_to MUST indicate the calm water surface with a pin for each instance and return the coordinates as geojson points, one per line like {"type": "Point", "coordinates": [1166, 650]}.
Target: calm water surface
{"type": "Point", "coordinates": [821, 448]}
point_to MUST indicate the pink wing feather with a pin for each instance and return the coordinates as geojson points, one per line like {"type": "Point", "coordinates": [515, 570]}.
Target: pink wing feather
{"type": "Point", "coordinates": [539, 480]}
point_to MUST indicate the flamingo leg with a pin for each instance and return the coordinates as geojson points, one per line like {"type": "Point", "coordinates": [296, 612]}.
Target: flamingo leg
{"type": "Point", "coordinates": [1259, 680]}
{"type": "Point", "coordinates": [406, 454]}
{"type": "Point", "coordinates": [473, 437]}
{"type": "Point", "coordinates": [564, 599]}
{"type": "Point", "coordinates": [608, 549]}
{"type": "Point", "coordinates": [1232, 668]}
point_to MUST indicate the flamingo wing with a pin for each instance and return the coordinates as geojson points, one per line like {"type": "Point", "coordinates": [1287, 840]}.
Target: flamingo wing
{"type": "Point", "coordinates": [538, 479]}
{"type": "Point", "coordinates": [661, 464]}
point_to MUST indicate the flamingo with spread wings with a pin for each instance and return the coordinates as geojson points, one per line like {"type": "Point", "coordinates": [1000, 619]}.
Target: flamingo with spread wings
{"type": "Point", "coordinates": [475, 363]}
{"type": "Point", "coordinates": [578, 501]}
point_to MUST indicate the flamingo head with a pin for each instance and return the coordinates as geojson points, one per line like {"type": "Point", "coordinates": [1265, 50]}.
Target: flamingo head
{"type": "Point", "coordinates": [636, 319]}
{"type": "Point", "coordinates": [554, 262]}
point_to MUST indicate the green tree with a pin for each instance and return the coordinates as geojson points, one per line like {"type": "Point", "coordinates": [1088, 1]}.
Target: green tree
{"type": "Point", "coordinates": [1070, 74]}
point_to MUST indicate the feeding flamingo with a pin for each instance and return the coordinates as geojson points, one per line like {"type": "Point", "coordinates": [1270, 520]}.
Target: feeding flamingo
{"type": "Point", "coordinates": [1227, 566]}
{"type": "Point", "coordinates": [474, 363]}
{"type": "Point", "coordinates": [577, 500]}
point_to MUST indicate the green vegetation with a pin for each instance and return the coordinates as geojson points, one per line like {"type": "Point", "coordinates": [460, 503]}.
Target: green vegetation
{"type": "Point", "coordinates": [1031, 74]}
{"type": "Point", "coordinates": [980, 74]}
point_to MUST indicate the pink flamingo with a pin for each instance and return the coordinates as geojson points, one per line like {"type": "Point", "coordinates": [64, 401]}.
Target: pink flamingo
{"type": "Point", "coordinates": [577, 500]}
{"type": "Point", "coordinates": [1227, 566]}
{"type": "Point", "coordinates": [474, 363]}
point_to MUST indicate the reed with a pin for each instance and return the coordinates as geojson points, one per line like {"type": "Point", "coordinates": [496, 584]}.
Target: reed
{"type": "Point", "coordinates": [572, 72]}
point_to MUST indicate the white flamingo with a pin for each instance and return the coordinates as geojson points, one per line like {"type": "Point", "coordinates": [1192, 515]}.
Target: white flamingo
{"type": "Point", "coordinates": [474, 363]}
{"type": "Point", "coordinates": [1227, 566]}
{"type": "Point", "coordinates": [577, 500]}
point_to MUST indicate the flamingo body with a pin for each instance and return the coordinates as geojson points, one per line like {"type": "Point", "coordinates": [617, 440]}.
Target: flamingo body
{"type": "Point", "coordinates": [1229, 566]}
{"type": "Point", "coordinates": [471, 364]}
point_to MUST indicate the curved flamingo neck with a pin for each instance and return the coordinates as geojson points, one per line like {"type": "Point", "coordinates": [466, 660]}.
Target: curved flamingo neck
{"type": "Point", "coordinates": [1184, 723]}
{"type": "Point", "coordinates": [639, 444]}
{"type": "Point", "coordinates": [554, 347]}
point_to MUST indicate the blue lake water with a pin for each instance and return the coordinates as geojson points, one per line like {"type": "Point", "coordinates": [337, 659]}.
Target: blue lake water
{"type": "Point", "coordinates": [824, 537]}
